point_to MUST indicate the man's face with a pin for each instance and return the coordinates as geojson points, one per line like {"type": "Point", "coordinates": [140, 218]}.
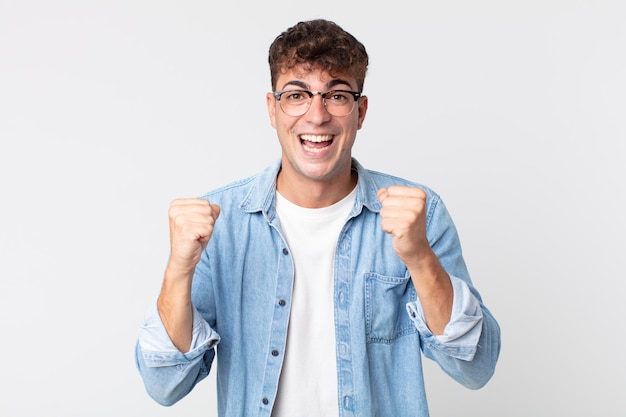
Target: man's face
{"type": "Point", "coordinates": [316, 145]}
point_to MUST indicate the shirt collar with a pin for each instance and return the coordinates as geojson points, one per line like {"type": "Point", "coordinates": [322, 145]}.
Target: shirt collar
{"type": "Point", "coordinates": [262, 195]}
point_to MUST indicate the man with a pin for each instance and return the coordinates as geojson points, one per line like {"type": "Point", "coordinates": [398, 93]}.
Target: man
{"type": "Point", "coordinates": [317, 283]}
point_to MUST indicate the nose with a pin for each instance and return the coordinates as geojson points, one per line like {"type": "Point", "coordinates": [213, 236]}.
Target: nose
{"type": "Point", "coordinates": [317, 112]}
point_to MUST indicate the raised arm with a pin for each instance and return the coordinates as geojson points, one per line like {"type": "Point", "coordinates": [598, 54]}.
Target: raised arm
{"type": "Point", "coordinates": [191, 226]}
{"type": "Point", "coordinates": [404, 217]}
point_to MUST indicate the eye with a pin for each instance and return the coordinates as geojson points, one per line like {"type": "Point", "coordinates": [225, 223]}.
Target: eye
{"type": "Point", "coordinates": [295, 96]}
{"type": "Point", "coordinates": [338, 97]}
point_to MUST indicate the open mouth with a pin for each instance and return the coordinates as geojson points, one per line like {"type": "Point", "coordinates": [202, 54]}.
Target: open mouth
{"type": "Point", "coordinates": [316, 143]}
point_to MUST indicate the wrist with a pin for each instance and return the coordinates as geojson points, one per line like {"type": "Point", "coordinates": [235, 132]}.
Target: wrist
{"type": "Point", "coordinates": [179, 272]}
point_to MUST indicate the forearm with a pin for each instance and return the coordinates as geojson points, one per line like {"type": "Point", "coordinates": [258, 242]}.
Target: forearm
{"type": "Point", "coordinates": [434, 290]}
{"type": "Point", "coordinates": [175, 308]}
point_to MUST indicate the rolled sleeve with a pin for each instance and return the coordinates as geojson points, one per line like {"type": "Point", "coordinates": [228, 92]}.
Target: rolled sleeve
{"type": "Point", "coordinates": [461, 335]}
{"type": "Point", "coordinates": [157, 347]}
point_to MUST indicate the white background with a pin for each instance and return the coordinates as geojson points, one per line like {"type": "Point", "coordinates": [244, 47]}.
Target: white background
{"type": "Point", "coordinates": [514, 111]}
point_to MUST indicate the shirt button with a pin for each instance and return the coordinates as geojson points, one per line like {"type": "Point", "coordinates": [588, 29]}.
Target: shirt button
{"type": "Point", "coordinates": [266, 401]}
{"type": "Point", "coordinates": [347, 403]}
{"type": "Point", "coordinates": [282, 303]}
{"type": "Point", "coordinates": [285, 251]}
{"type": "Point", "coordinates": [274, 352]}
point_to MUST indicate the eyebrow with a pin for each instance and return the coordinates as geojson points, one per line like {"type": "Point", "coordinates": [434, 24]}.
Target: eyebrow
{"type": "Point", "coordinates": [332, 83]}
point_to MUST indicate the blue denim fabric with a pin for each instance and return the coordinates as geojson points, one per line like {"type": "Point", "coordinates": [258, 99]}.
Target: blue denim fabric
{"type": "Point", "coordinates": [242, 295]}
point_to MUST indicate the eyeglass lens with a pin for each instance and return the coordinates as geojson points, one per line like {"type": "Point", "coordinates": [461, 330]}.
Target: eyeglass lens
{"type": "Point", "coordinates": [297, 102]}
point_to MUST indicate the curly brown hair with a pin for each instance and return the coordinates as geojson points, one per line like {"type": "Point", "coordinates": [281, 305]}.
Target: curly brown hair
{"type": "Point", "coordinates": [318, 45]}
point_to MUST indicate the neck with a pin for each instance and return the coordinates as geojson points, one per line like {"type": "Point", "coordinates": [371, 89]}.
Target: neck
{"type": "Point", "coordinates": [310, 193]}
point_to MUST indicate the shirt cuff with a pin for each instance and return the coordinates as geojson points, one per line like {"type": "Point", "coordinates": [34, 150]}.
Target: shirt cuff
{"type": "Point", "coordinates": [461, 334]}
{"type": "Point", "coordinates": [157, 347]}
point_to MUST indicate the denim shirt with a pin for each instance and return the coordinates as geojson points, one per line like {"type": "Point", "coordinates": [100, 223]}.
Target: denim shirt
{"type": "Point", "coordinates": [241, 295]}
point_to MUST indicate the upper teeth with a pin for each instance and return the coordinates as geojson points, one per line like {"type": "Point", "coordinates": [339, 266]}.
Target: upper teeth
{"type": "Point", "coordinates": [316, 138]}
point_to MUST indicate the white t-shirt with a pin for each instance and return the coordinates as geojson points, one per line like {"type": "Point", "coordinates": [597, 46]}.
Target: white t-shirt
{"type": "Point", "coordinates": [308, 379]}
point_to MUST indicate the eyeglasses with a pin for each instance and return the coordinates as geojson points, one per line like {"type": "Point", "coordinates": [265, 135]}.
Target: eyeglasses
{"type": "Point", "coordinates": [297, 102]}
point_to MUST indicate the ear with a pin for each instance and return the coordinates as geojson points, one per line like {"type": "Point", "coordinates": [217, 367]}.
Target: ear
{"type": "Point", "coordinates": [362, 110]}
{"type": "Point", "coordinates": [271, 108]}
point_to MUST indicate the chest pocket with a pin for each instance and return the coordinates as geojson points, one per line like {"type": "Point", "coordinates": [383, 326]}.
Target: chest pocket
{"type": "Point", "coordinates": [386, 297]}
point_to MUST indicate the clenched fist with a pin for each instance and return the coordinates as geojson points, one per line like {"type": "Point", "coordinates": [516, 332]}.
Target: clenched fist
{"type": "Point", "coordinates": [191, 226]}
{"type": "Point", "coordinates": [403, 216]}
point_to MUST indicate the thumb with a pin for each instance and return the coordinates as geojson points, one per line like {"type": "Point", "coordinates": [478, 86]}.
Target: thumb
{"type": "Point", "coordinates": [382, 193]}
{"type": "Point", "coordinates": [216, 211]}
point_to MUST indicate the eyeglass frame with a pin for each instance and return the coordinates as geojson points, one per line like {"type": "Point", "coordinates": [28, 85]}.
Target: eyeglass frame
{"type": "Point", "coordinates": [278, 94]}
